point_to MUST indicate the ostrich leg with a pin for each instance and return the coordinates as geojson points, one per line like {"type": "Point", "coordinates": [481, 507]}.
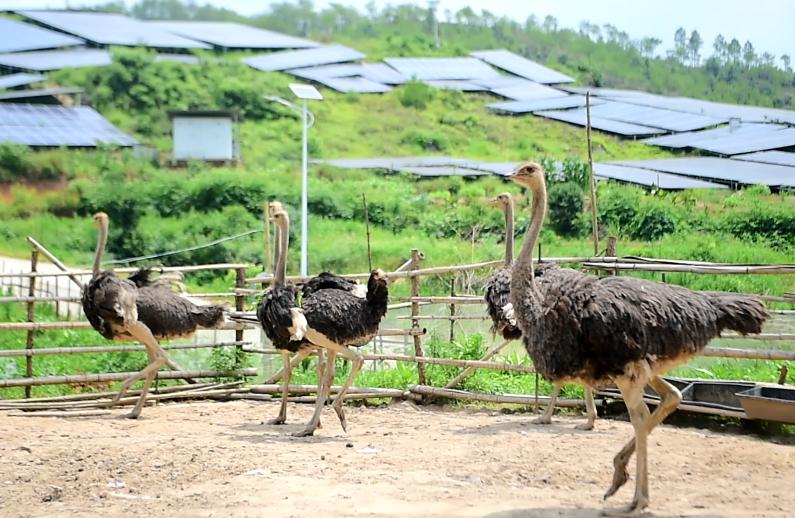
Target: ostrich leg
{"type": "Point", "coordinates": [670, 399]}
{"type": "Point", "coordinates": [288, 372]}
{"type": "Point", "coordinates": [547, 417]}
{"type": "Point", "coordinates": [356, 365]}
{"type": "Point", "coordinates": [297, 359]}
{"type": "Point", "coordinates": [590, 410]}
{"type": "Point", "coordinates": [140, 332]}
{"type": "Point", "coordinates": [322, 394]}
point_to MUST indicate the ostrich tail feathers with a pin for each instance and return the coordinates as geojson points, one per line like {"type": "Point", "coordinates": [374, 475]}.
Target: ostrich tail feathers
{"type": "Point", "coordinates": [209, 316]}
{"type": "Point", "coordinates": [740, 313]}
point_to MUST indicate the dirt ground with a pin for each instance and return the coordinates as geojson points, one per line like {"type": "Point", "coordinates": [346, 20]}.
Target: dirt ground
{"type": "Point", "coordinates": [219, 459]}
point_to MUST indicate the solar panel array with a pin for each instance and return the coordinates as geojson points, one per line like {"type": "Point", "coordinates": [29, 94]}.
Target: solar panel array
{"type": "Point", "coordinates": [695, 139]}
{"type": "Point", "coordinates": [230, 35]}
{"type": "Point", "coordinates": [453, 84]}
{"type": "Point", "coordinates": [23, 95]}
{"type": "Point", "coordinates": [44, 60]}
{"type": "Point", "coordinates": [552, 103]}
{"type": "Point", "coordinates": [436, 171]}
{"type": "Point", "coordinates": [14, 80]}
{"type": "Point", "coordinates": [654, 117]}
{"type": "Point", "coordinates": [769, 157]}
{"type": "Point", "coordinates": [521, 66]}
{"type": "Point", "coordinates": [377, 72]}
{"type": "Point", "coordinates": [527, 90]}
{"type": "Point", "coordinates": [18, 36]}
{"type": "Point", "coordinates": [720, 170]}
{"type": "Point", "coordinates": [648, 178]}
{"type": "Point", "coordinates": [442, 69]}
{"type": "Point", "coordinates": [354, 84]}
{"type": "Point", "coordinates": [293, 59]}
{"type": "Point", "coordinates": [578, 117]}
{"type": "Point", "coordinates": [55, 126]}
{"type": "Point", "coordinates": [500, 82]}
{"type": "Point", "coordinates": [112, 29]}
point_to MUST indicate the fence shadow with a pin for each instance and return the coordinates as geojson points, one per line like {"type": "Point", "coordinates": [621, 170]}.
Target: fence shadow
{"type": "Point", "coordinates": [566, 512]}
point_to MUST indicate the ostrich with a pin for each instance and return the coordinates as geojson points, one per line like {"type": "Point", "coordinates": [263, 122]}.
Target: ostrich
{"type": "Point", "coordinates": [580, 328]}
{"type": "Point", "coordinates": [329, 319]}
{"type": "Point", "coordinates": [118, 310]}
{"type": "Point", "coordinates": [500, 309]}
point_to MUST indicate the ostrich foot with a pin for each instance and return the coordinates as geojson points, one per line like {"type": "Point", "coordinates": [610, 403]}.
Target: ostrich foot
{"type": "Point", "coordinates": [278, 420]}
{"type": "Point", "coordinates": [306, 432]}
{"type": "Point", "coordinates": [133, 415]}
{"type": "Point", "coordinates": [634, 509]}
{"type": "Point", "coordinates": [544, 419]}
{"type": "Point", "coordinates": [341, 415]}
{"type": "Point", "coordinates": [584, 426]}
{"type": "Point", "coordinates": [620, 477]}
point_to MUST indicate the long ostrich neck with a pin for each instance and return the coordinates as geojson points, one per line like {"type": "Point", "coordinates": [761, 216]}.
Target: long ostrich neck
{"type": "Point", "coordinates": [281, 263]}
{"type": "Point", "coordinates": [537, 211]}
{"type": "Point", "coordinates": [101, 242]}
{"type": "Point", "coordinates": [509, 232]}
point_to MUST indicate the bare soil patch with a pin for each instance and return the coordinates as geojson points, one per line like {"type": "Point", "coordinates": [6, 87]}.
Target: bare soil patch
{"type": "Point", "coordinates": [219, 459]}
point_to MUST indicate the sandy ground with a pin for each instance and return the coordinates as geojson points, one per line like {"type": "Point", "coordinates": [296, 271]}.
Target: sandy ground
{"type": "Point", "coordinates": [219, 459]}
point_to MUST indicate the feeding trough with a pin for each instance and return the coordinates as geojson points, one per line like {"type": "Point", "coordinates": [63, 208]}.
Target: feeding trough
{"type": "Point", "coordinates": [715, 394]}
{"type": "Point", "coordinates": [769, 403]}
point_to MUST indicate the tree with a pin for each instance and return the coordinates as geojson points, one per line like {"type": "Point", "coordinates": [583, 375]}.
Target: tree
{"type": "Point", "coordinates": [648, 45]}
{"type": "Point", "coordinates": [768, 59]}
{"type": "Point", "coordinates": [734, 50]}
{"type": "Point", "coordinates": [720, 46]}
{"type": "Point", "coordinates": [550, 23]}
{"type": "Point", "coordinates": [785, 60]}
{"type": "Point", "coordinates": [749, 55]}
{"type": "Point", "coordinates": [693, 46]}
{"type": "Point", "coordinates": [680, 45]}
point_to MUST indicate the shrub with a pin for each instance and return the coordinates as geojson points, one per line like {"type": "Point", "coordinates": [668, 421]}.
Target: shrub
{"type": "Point", "coordinates": [565, 206]}
{"type": "Point", "coordinates": [15, 161]}
{"type": "Point", "coordinates": [777, 225]}
{"type": "Point", "coordinates": [653, 223]}
{"type": "Point", "coordinates": [415, 94]}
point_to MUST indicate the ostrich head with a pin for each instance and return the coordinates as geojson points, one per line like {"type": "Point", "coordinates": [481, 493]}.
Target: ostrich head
{"type": "Point", "coordinates": [501, 201]}
{"type": "Point", "coordinates": [504, 202]}
{"type": "Point", "coordinates": [530, 175]}
{"type": "Point", "coordinates": [101, 220]}
{"type": "Point", "coordinates": [377, 285]}
{"type": "Point", "coordinates": [274, 207]}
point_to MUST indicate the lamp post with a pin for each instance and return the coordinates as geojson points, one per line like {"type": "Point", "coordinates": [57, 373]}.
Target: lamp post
{"type": "Point", "coordinates": [305, 93]}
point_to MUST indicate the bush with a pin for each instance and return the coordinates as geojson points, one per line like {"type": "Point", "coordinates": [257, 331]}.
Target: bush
{"type": "Point", "coordinates": [416, 94]}
{"type": "Point", "coordinates": [565, 206]}
{"type": "Point", "coordinates": [653, 223]}
{"type": "Point", "coordinates": [776, 225]}
{"type": "Point", "coordinates": [15, 162]}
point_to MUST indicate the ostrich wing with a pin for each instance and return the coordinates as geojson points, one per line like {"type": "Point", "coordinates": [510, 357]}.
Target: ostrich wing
{"type": "Point", "coordinates": [109, 301]}
{"type": "Point", "coordinates": [342, 317]}
{"type": "Point", "coordinates": [169, 315]}
{"type": "Point", "coordinates": [330, 281]}
{"type": "Point", "coordinates": [499, 306]}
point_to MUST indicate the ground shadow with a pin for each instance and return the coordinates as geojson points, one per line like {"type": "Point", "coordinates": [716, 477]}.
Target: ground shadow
{"type": "Point", "coordinates": [259, 433]}
{"type": "Point", "coordinates": [563, 512]}
{"type": "Point", "coordinates": [522, 426]}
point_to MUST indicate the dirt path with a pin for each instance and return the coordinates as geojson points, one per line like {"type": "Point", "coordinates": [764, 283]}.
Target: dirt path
{"type": "Point", "coordinates": [218, 459]}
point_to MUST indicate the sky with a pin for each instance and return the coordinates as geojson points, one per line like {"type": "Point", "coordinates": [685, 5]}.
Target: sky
{"type": "Point", "coordinates": [766, 23]}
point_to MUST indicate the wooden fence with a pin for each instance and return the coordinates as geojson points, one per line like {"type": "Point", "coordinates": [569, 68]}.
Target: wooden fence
{"type": "Point", "coordinates": [27, 289]}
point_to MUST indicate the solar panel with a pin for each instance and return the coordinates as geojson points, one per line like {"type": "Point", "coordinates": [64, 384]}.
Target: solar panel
{"type": "Point", "coordinates": [44, 60]}
{"type": "Point", "coordinates": [292, 59]}
{"type": "Point", "coordinates": [112, 29]}
{"type": "Point", "coordinates": [354, 84]}
{"type": "Point", "coordinates": [305, 91]}
{"type": "Point", "coordinates": [528, 90]}
{"type": "Point", "coordinates": [694, 139]}
{"type": "Point", "coordinates": [554, 103]}
{"type": "Point", "coordinates": [521, 66]}
{"type": "Point", "coordinates": [499, 82]}
{"type": "Point", "coordinates": [647, 178]}
{"type": "Point", "coordinates": [442, 171]}
{"type": "Point", "coordinates": [451, 84]}
{"type": "Point", "coordinates": [185, 59]}
{"type": "Point", "coordinates": [654, 117]}
{"type": "Point", "coordinates": [55, 126]}
{"type": "Point", "coordinates": [722, 170]}
{"type": "Point", "coordinates": [393, 162]}
{"type": "Point", "coordinates": [378, 72]}
{"type": "Point", "coordinates": [20, 95]}
{"type": "Point", "coordinates": [19, 36]}
{"type": "Point", "coordinates": [769, 157]}
{"type": "Point", "coordinates": [578, 117]}
{"type": "Point", "coordinates": [230, 35]}
{"type": "Point", "coordinates": [21, 79]}
{"type": "Point", "coordinates": [735, 146]}
{"type": "Point", "coordinates": [441, 69]}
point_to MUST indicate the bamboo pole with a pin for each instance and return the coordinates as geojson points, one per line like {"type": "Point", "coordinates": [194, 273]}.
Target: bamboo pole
{"type": "Point", "coordinates": [416, 257]}
{"type": "Point", "coordinates": [470, 370]}
{"type": "Point", "coordinates": [452, 310]}
{"type": "Point", "coordinates": [367, 226]}
{"type": "Point", "coordinates": [443, 317]}
{"type": "Point", "coordinates": [101, 395]}
{"type": "Point", "coordinates": [54, 260]}
{"type": "Point", "coordinates": [89, 349]}
{"type": "Point", "coordinates": [451, 362]}
{"type": "Point", "coordinates": [34, 259]}
{"type": "Point", "coordinates": [119, 376]}
{"type": "Point", "coordinates": [240, 301]}
{"type": "Point", "coordinates": [751, 354]}
{"type": "Point", "coordinates": [722, 270]}
{"type": "Point", "coordinates": [312, 389]}
{"type": "Point", "coordinates": [760, 336]}
{"type": "Point", "coordinates": [443, 300]}
{"type": "Point", "coordinates": [62, 413]}
{"type": "Point", "coordinates": [516, 399]}
{"type": "Point", "coordinates": [73, 273]}
{"type": "Point", "coordinates": [591, 177]}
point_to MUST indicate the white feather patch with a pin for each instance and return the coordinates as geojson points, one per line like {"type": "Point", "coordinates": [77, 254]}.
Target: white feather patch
{"type": "Point", "coordinates": [507, 312]}
{"type": "Point", "coordinates": [360, 290]}
{"type": "Point", "coordinates": [298, 329]}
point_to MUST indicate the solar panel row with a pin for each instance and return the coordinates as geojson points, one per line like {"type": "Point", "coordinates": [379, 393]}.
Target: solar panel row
{"type": "Point", "coordinates": [442, 69]}
{"type": "Point", "coordinates": [229, 35]}
{"type": "Point", "coordinates": [654, 117]}
{"type": "Point", "coordinates": [378, 72]}
{"type": "Point", "coordinates": [522, 66]}
{"type": "Point", "coordinates": [453, 84]}
{"type": "Point", "coordinates": [293, 59]}
{"type": "Point", "coordinates": [769, 157]}
{"type": "Point", "coordinates": [554, 103]}
{"type": "Point", "coordinates": [720, 170]}
{"type": "Point", "coordinates": [527, 90]}
{"type": "Point", "coordinates": [111, 29]}
{"type": "Point", "coordinates": [648, 178]}
{"type": "Point", "coordinates": [579, 118]}
{"type": "Point", "coordinates": [354, 84]}
{"type": "Point", "coordinates": [55, 126]}
{"type": "Point", "coordinates": [18, 36]}
{"type": "Point", "coordinates": [695, 139]}
{"type": "Point", "coordinates": [14, 80]}
{"type": "Point", "coordinates": [44, 60]}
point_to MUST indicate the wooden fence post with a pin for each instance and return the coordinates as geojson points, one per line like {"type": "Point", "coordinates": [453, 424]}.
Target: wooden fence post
{"type": "Point", "coordinates": [240, 300]}
{"type": "Point", "coordinates": [34, 260]}
{"type": "Point", "coordinates": [452, 310]}
{"type": "Point", "coordinates": [611, 251]}
{"type": "Point", "coordinates": [416, 257]}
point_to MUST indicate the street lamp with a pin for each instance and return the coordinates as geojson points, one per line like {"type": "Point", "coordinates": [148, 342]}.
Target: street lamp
{"type": "Point", "coordinates": [304, 92]}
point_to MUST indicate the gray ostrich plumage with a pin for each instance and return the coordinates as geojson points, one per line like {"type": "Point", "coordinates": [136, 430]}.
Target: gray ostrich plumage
{"type": "Point", "coordinates": [120, 310]}
{"type": "Point", "coordinates": [328, 318]}
{"type": "Point", "coordinates": [500, 309]}
{"type": "Point", "coordinates": [581, 328]}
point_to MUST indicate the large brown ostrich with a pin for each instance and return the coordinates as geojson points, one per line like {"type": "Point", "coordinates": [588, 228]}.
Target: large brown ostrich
{"type": "Point", "coordinates": [582, 329]}
{"type": "Point", "coordinates": [500, 309]}
{"type": "Point", "coordinates": [119, 310]}
{"type": "Point", "coordinates": [328, 318]}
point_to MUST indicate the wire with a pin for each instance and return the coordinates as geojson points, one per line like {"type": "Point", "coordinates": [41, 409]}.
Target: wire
{"type": "Point", "coordinates": [190, 249]}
